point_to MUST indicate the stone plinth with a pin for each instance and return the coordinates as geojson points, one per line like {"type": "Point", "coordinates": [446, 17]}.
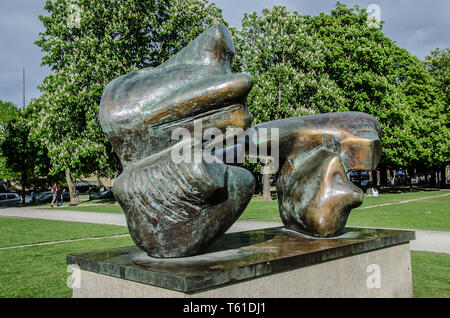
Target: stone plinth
{"type": "Point", "coordinates": [262, 263]}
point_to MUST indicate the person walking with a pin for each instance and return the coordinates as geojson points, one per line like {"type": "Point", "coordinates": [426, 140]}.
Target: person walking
{"type": "Point", "coordinates": [90, 193]}
{"type": "Point", "coordinates": [54, 190]}
{"type": "Point", "coordinates": [32, 197]}
{"type": "Point", "coordinates": [59, 196]}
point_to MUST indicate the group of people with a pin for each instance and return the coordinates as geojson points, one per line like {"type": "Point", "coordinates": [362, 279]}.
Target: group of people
{"type": "Point", "coordinates": [57, 193]}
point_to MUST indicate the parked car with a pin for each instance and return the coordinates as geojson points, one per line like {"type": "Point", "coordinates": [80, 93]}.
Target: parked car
{"type": "Point", "coordinates": [366, 184]}
{"type": "Point", "coordinates": [108, 194]}
{"type": "Point", "coordinates": [358, 176]}
{"type": "Point", "coordinates": [46, 197]}
{"type": "Point", "coordinates": [10, 199]}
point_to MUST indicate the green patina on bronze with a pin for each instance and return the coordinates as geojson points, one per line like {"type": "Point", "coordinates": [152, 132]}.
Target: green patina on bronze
{"type": "Point", "coordinates": [178, 209]}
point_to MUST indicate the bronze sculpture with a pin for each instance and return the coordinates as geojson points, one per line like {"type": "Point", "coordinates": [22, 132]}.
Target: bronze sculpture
{"type": "Point", "coordinates": [178, 208]}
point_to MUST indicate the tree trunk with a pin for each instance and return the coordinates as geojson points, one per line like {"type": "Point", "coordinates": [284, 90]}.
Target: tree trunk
{"type": "Point", "coordinates": [23, 192]}
{"type": "Point", "coordinates": [383, 177]}
{"type": "Point", "coordinates": [24, 179]}
{"type": "Point", "coordinates": [100, 184]}
{"type": "Point", "coordinates": [266, 187]}
{"type": "Point", "coordinates": [74, 200]}
{"type": "Point", "coordinates": [265, 171]}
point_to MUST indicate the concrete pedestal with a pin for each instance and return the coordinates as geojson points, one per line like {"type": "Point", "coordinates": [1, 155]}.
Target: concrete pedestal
{"type": "Point", "coordinates": [262, 263]}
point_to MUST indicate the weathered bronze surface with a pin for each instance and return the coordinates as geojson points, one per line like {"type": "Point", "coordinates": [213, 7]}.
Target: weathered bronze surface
{"type": "Point", "coordinates": [176, 209]}
{"type": "Point", "coordinates": [315, 195]}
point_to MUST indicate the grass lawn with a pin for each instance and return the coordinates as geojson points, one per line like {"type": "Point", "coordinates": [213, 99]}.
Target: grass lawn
{"type": "Point", "coordinates": [16, 231]}
{"type": "Point", "coordinates": [41, 271]}
{"type": "Point", "coordinates": [430, 214]}
{"type": "Point", "coordinates": [433, 213]}
{"type": "Point", "coordinates": [95, 207]}
{"type": "Point", "coordinates": [431, 274]}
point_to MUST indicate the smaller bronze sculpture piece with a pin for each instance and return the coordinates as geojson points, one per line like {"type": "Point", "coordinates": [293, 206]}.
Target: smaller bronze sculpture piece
{"type": "Point", "coordinates": [314, 193]}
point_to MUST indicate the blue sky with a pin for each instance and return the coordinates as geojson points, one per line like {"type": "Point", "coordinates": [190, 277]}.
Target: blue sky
{"type": "Point", "coordinates": [416, 25]}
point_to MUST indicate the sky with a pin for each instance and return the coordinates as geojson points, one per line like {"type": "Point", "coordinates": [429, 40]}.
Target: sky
{"type": "Point", "coordinates": [416, 25]}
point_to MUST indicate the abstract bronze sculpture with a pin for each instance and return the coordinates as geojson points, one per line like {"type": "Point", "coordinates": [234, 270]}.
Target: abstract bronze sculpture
{"type": "Point", "coordinates": [177, 209]}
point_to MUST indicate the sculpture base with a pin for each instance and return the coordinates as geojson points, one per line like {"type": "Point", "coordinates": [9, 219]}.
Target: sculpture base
{"type": "Point", "coordinates": [262, 263]}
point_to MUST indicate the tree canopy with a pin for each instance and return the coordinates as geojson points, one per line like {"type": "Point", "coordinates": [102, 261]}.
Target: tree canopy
{"type": "Point", "coordinates": [8, 112]}
{"type": "Point", "coordinates": [341, 62]}
{"type": "Point", "coordinates": [89, 43]}
{"type": "Point", "coordinates": [300, 64]}
{"type": "Point", "coordinates": [111, 39]}
{"type": "Point", "coordinates": [23, 159]}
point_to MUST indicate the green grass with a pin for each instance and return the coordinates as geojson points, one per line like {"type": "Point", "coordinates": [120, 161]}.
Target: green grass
{"type": "Point", "coordinates": [41, 271]}
{"type": "Point", "coordinates": [432, 213]}
{"type": "Point", "coordinates": [398, 197]}
{"type": "Point", "coordinates": [430, 274]}
{"type": "Point", "coordinates": [104, 208]}
{"type": "Point", "coordinates": [261, 210]}
{"type": "Point", "coordinates": [429, 214]}
{"type": "Point", "coordinates": [16, 231]}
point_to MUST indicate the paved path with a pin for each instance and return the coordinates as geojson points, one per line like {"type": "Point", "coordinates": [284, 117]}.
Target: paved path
{"type": "Point", "coordinates": [431, 241]}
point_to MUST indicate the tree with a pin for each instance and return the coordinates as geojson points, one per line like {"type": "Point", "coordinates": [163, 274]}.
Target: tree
{"type": "Point", "coordinates": [438, 63]}
{"type": "Point", "coordinates": [287, 65]}
{"type": "Point", "coordinates": [8, 112]}
{"type": "Point", "coordinates": [89, 43]}
{"type": "Point", "coordinates": [25, 158]}
{"type": "Point", "coordinates": [340, 62]}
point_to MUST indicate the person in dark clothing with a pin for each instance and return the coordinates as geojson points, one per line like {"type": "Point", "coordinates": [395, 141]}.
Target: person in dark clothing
{"type": "Point", "coordinates": [32, 197]}
{"type": "Point", "coordinates": [59, 196]}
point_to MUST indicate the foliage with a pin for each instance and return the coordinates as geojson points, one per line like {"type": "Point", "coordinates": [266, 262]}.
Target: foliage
{"type": "Point", "coordinates": [438, 63]}
{"type": "Point", "coordinates": [104, 40]}
{"type": "Point", "coordinates": [340, 62]}
{"type": "Point", "coordinates": [287, 65]}
{"type": "Point", "coordinates": [8, 112]}
{"type": "Point", "coordinates": [24, 158]}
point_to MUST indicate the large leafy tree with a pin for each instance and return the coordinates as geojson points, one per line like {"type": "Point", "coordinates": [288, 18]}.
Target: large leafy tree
{"type": "Point", "coordinates": [380, 78]}
{"type": "Point", "coordinates": [438, 63]}
{"type": "Point", "coordinates": [341, 62]}
{"type": "Point", "coordinates": [25, 158]}
{"type": "Point", "coordinates": [87, 44]}
{"type": "Point", "coordinates": [8, 112]}
{"type": "Point", "coordinates": [287, 64]}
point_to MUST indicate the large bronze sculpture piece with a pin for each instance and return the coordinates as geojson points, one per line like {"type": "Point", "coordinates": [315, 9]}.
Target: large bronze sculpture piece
{"type": "Point", "coordinates": [178, 208]}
